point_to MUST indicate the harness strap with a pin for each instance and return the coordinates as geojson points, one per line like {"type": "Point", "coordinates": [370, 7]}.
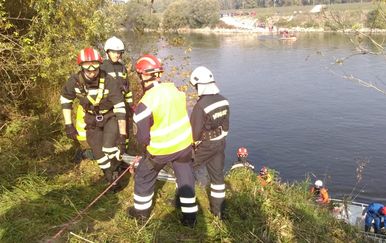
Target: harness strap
{"type": "Point", "coordinates": [94, 102]}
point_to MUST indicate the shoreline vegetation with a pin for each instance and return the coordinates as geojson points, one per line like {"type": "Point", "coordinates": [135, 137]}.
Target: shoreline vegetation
{"type": "Point", "coordinates": [42, 188]}
{"type": "Point", "coordinates": [341, 18]}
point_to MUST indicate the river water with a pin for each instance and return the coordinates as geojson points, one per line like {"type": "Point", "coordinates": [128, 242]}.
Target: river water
{"type": "Point", "coordinates": [295, 113]}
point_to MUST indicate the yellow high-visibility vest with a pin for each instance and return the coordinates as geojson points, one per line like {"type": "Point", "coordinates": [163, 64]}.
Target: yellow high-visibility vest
{"type": "Point", "coordinates": [80, 124]}
{"type": "Point", "coordinates": [171, 131]}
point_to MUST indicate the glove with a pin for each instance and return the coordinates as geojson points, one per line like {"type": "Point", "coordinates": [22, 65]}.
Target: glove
{"type": "Point", "coordinates": [122, 144]}
{"type": "Point", "coordinates": [71, 131]}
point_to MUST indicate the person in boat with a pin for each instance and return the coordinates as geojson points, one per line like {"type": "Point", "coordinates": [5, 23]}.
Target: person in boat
{"type": "Point", "coordinates": [264, 177]}
{"type": "Point", "coordinates": [375, 211]}
{"type": "Point", "coordinates": [320, 192]}
{"type": "Point", "coordinates": [242, 160]}
{"type": "Point", "coordinates": [286, 34]}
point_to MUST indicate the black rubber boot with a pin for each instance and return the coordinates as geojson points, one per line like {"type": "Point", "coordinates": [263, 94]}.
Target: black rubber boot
{"type": "Point", "coordinates": [189, 220]}
{"type": "Point", "coordinates": [367, 228]}
{"type": "Point", "coordinates": [110, 177]}
{"type": "Point", "coordinates": [140, 215]}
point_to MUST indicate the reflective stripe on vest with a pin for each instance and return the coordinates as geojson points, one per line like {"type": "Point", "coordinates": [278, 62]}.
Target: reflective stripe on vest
{"type": "Point", "coordinates": [171, 130]}
{"type": "Point", "coordinates": [118, 74]}
{"type": "Point", "coordinates": [80, 125]}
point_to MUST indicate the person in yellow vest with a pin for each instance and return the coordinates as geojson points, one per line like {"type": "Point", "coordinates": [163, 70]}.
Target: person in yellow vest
{"type": "Point", "coordinates": [320, 193]}
{"type": "Point", "coordinates": [101, 99]}
{"type": "Point", "coordinates": [162, 123]}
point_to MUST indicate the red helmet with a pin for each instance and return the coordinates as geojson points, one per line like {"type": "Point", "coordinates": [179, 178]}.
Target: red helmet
{"type": "Point", "coordinates": [383, 211]}
{"type": "Point", "coordinates": [148, 64]}
{"type": "Point", "coordinates": [89, 55]}
{"type": "Point", "coordinates": [242, 152]}
{"type": "Point", "coordinates": [263, 170]}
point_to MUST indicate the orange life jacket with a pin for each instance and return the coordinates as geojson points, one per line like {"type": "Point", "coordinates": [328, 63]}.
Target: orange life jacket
{"type": "Point", "coordinates": [321, 195]}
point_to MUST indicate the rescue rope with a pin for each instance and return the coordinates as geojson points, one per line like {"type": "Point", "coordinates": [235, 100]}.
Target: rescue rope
{"type": "Point", "coordinates": [74, 219]}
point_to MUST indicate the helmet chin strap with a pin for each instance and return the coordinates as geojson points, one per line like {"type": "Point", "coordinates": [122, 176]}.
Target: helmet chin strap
{"type": "Point", "coordinates": [154, 77]}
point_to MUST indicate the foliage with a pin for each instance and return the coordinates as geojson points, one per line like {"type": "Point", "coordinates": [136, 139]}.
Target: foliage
{"type": "Point", "coordinates": [377, 18]}
{"type": "Point", "coordinates": [248, 4]}
{"type": "Point", "coordinates": [204, 13]}
{"type": "Point", "coordinates": [140, 17]}
{"type": "Point", "coordinates": [176, 15]}
{"type": "Point", "coordinates": [37, 56]}
{"type": "Point", "coordinates": [195, 14]}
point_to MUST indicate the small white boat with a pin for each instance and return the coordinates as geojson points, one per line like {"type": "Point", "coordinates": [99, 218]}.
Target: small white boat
{"type": "Point", "coordinates": [354, 214]}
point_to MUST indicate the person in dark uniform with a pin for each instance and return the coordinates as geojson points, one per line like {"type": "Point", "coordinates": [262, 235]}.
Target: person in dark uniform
{"type": "Point", "coordinates": [103, 103]}
{"type": "Point", "coordinates": [242, 160]}
{"type": "Point", "coordinates": [210, 125]}
{"type": "Point", "coordinates": [114, 67]}
{"type": "Point", "coordinates": [163, 126]}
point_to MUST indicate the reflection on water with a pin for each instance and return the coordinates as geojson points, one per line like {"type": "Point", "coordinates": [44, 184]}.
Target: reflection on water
{"type": "Point", "coordinates": [293, 110]}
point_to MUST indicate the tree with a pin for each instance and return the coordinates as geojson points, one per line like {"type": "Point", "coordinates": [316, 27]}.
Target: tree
{"type": "Point", "coordinates": [176, 15]}
{"type": "Point", "coordinates": [38, 46]}
{"type": "Point", "coordinates": [140, 18]}
{"type": "Point", "coordinates": [204, 13]}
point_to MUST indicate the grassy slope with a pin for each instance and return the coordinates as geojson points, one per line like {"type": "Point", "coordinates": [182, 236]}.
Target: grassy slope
{"type": "Point", "coordinates": [38, 196]}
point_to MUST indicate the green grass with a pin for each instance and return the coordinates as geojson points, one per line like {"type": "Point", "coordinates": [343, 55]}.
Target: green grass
{"type": "Point", "coordinates": [42, 190]}
{"type": "Point", "coordinates": [40, 200]}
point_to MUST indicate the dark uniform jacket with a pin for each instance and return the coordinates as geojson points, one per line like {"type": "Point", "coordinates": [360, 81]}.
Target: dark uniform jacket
{"type": "Point", "coordinates": [118, 71]}
{"type": "Point", "coordinates": [210, 118]}
{"type": "Point", "coordinates": [112, 99]}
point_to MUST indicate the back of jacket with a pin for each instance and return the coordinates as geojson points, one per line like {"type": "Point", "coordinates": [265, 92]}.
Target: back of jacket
{"type": "Point", "coordinates": [210, 113]}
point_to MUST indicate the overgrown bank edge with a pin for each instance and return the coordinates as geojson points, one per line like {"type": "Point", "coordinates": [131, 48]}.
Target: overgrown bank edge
{"type": "Point", "coordinates": [37, 206]}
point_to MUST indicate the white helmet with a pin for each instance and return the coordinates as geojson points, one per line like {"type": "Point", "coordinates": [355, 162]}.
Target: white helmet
{"type": "Point", "coordinates": [114, 44]}
{"type": "Point", "coordinates": [318, 183]}
{"type": "Point", "coordinates": [201, 75]}
{"type": "Point", "coordinates": [203, 79]}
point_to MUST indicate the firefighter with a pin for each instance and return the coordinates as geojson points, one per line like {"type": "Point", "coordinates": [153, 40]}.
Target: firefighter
{"type": "Point", "coordinates": [162, 123]}
{"type": "Point", "coordinates": [242, 160]}
{"type": "Point", "coordinates": [210, 125]}
{"type": "Point", "coordinates": [114, 67]}
{"type": "Point", "coordinates": [264, 176]}
{"type": "Point", "coordinates": [320, 192]}
{"type": "Point", "coordinates": [103, 103]}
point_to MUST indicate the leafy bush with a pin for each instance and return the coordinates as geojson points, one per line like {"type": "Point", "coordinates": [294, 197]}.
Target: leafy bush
{"type": "Point", "coordinates": [204, 13]}
{"type": "Point", "coordinates": [376, 19]}
{"type": "Point", "coordinates": [140, 17]}
{"type": "Point", "coordinates": [176, 15]}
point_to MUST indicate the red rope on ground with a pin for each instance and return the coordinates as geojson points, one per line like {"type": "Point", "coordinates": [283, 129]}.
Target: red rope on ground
{"type": "Point", "coordinates": [72, 221]}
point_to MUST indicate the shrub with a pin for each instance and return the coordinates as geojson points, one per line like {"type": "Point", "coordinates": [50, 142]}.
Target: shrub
{"type": "Point", "coordinates": [376, 19]}
{"type": "Point", "coordinates": [204, 13]}
{"type": "Point", "coordinates": [176, 15]}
